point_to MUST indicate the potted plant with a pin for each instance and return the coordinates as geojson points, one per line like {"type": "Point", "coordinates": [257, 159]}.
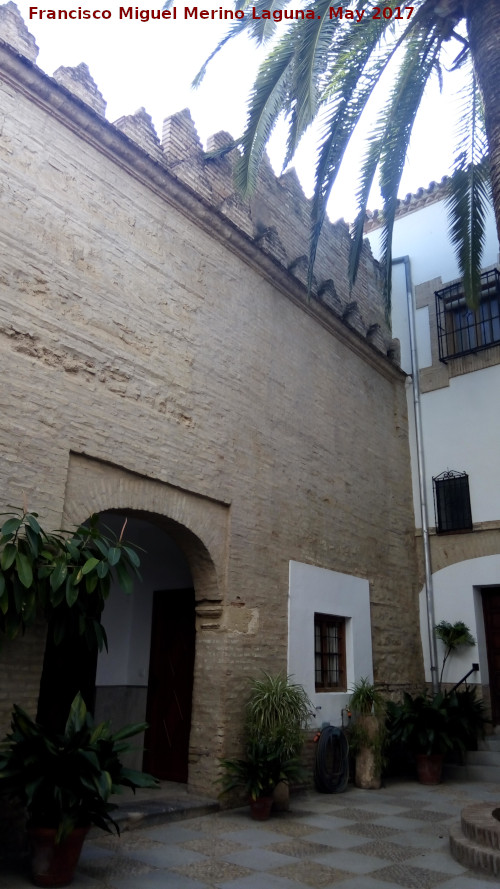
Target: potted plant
{"type": "Point", "coordinates": [64, 782]}
{"type": "Point", "coordinates": [367, 733]}
{"type": "Point", "coordinates": [277, 713]}
{"type": "Point", "coordinates": [422, 725]}
{"type": "Point", "coordinates": [258, 774]}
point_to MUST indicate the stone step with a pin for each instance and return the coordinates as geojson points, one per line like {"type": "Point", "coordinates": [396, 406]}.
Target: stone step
{"type": "Point", "coordinates": [475, 842]}
{"type": "Point", "coordinates": [479, 824]}
{"type": "Point", "coordinates": [483, 758]}
{"type": "Point", "coordinates": [488, 773]}
{"type": "Point", "coordinates": [491, 742]}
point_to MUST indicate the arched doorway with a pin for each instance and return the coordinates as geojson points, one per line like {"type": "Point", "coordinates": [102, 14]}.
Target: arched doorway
{"type": "Point", "coordinates": [147, 674]}
{"type": "Point", "coordinates": [198, 526]}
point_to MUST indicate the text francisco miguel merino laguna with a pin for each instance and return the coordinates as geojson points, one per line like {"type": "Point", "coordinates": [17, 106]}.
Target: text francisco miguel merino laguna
{"type": "Point", "coordinates": [196, 12]}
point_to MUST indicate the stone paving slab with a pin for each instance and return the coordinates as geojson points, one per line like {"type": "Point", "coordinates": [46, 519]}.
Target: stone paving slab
{"type": "Point", "coordinates": [397, 836]}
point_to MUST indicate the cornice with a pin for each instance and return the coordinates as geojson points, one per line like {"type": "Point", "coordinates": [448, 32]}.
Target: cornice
{"type": "Point", "coordinates": [436, 191]}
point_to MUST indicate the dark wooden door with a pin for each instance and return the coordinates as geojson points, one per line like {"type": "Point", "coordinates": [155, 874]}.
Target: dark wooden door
{"type": "Point", "coordinates": [170, 685]}
{"type": "Point", "coordinates": [491, 610]}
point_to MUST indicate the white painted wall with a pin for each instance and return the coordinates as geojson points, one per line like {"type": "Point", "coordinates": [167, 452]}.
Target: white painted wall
{"type": "Point", "coordinates": [457, 596]}
{"type": "Point", "coordinates": [127, 619]}
{"type": "Point", "coordinates": [423, 235]}
{"type": "Point", "coordinates": [461, 430]}
{"type": "Point", "coordinates": [460, 426]}
{"type": "Point", "coordinates": [318, 590]}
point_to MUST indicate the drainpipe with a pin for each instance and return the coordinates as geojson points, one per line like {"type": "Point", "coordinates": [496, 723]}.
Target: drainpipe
{"type": "Point", "coordinates": [429, 591]}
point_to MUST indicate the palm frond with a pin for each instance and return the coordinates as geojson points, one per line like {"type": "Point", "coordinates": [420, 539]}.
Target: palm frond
{"type": "Point", "coordinates": [415, 71]}
{"type": "Point", "coordinates": [258, 28]}
{"type": "Point", "coordinates": [354, 74]}
{"type": "Point", "coordinates": [469, 193]}
{"type": "Point", "coordinates": [237, 28]}
{"type": "Point", "coordinates": [313, 39]}
{"type": "Point", "coordinates": [265, 105]}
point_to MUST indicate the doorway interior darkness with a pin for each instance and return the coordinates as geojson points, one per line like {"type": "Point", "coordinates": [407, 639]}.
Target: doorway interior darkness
{"type": "Point", "coordinates": [491, 611]}
{"type": "Point", "coordinates": [170, 685]}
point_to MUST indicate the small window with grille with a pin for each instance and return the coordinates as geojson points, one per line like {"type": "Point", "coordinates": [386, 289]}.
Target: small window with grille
{"type": "Point", "coordinates": [452, 502]}
{"type": "Point", "coordinates": [329, 653]}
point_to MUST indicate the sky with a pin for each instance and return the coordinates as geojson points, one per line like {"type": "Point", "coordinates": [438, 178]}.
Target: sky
{"type": "Point", "coordinates": [152, 64]}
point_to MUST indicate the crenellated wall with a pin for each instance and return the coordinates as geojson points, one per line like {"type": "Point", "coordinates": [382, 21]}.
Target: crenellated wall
{"type": "Point", "coordinates": [277, 218]}
{"type": "Point", "coordinates": [160, 354]}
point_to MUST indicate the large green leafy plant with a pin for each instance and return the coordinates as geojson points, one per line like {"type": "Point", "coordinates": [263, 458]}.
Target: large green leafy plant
{"type": "Point", "coordinates": [66, 780]}
{"type": "Point", "coordinates": [443, 723]}
{"type": "Point", "coordinates": [64, 576]}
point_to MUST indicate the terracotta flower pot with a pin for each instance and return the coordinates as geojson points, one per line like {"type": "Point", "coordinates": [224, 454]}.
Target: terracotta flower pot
{"type": "Point", "coordinates": [260, 809]}
{"type": "Point", "coordinates": [429, 767]}
{"type": "Point", "coordinates": [54, 864]}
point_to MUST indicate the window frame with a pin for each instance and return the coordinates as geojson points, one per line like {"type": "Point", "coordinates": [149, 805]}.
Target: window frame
{"type": "Point", "coordinates": [323, 622]}
{"type": "Point", "coordinates": [462, 331]}
{"type": "Point", "coordinates": [452, 502]}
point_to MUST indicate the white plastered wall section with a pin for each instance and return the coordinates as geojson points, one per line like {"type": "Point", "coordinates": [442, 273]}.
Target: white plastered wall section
{"type": "Point", "coordinates": [457, 594]}
{"type": "Point", "coordinates": [317, 590]}
{"type": "Point", "coordinates": [127, 619]}
{"type": "Point", "coordinates": [461, 429]}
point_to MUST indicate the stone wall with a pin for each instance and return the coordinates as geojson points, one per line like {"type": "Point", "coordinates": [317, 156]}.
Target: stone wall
{"type": "Point", "coordinates": [160, 353]}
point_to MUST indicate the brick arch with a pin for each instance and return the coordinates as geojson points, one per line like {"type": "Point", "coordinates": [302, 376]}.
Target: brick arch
{"type": "Point", "coordinates": [199, 526]}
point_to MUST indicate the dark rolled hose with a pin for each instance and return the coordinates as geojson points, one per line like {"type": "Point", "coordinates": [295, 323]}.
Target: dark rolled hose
{"type": "Point", "coordinates": [331, 767]}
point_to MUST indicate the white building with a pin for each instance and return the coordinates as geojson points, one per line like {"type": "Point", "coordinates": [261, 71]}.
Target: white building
{"type": "Point", "coordinates": [458, 353]}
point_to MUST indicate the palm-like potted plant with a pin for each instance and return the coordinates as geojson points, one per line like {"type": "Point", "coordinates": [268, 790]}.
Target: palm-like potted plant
{"type": "Point", "coordinates": [277, 713]}
{"type": "Point", "coordinates": [453, 636]}
{"type": "Point", "coordinates": [367, 733]}
{"type": "Point", "coordinates": [64, 782]}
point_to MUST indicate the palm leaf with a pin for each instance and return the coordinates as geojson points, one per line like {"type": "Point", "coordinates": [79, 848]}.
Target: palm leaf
{"type": "Point", "coordinates": [352, 80]}
{"type": "Point", "coordinates": [416, 69]}
{"type": "Point", "coordinates": [469, 193]}
{"type": "Point", "coordinates": [266, 102]}
{"type": "Point", "coordinates": [313, 39]}
{"type": "Point", "coordinates": [258, 28]}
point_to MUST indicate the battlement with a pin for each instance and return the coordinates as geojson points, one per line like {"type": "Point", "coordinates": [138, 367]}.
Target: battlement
{"type": "Point", "coordinates": [271, 229]}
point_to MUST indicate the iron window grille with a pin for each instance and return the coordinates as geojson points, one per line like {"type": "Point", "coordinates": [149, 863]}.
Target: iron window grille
{"type": "Point", "coordinates": [462, 330]}
{"type": "Point", "coordinates": [329, 653]}
{"type": "Point", "coordinates": [452, 502]}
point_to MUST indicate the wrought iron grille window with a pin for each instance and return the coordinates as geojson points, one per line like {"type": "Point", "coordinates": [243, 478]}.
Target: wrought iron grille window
{"type": "Point", "coordinates": [460, 329]}
{"type": "Point", "coordinates": [452, 502]}
{"type": "Point", "coordinates": [329, 653]}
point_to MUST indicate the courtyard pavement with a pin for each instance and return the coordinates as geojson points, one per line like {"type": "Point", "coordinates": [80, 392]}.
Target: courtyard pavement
{"type": "Point", "coordinates": [360, 839]}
